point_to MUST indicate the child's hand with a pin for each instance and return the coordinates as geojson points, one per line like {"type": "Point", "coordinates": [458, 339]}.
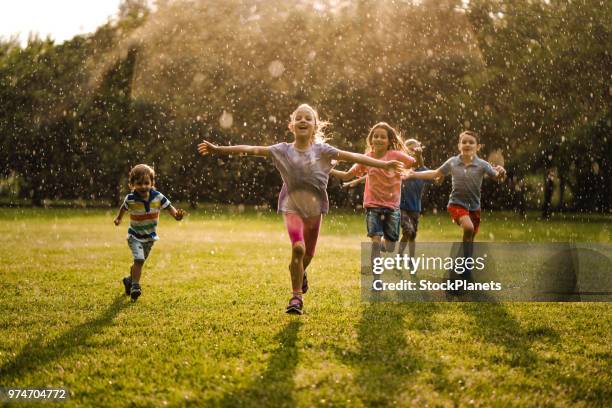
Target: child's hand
{"type": "Point", "coordinates": [205, 148]}
{"type": "Point", "coordinates": [407, 174]}
{"type": "Point", "coordinates": [179, 214]}
{"type": "Point", "coordinates": [117, 221]}
{"type": "Point", "coordinates": [501, 172]}
{"type": "Point", "coordinates": [394, 165]}
{"type": "Point", "coordinates": [350, 184]}
{"type": "Point", "coordinates": [334, 163]}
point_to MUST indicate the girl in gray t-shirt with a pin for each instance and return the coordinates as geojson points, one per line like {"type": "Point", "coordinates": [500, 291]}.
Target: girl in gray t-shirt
{"type": "Point", "coordinates": [304, 166]}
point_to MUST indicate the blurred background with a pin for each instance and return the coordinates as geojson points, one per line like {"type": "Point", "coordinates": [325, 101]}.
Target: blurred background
{"type": "Point", "coordinates": [532, 77]}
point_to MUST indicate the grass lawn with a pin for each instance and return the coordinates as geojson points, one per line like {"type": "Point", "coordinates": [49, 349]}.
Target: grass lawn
{"type": "Point", "coordinates": [210, 327]}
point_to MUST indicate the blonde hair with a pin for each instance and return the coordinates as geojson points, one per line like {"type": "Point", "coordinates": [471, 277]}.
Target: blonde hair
{"type": "Point", "coordinates": [395, 137]}
{"type": "Point", "coordinates": [139, 172]}
{"type": "Point", "coordinates": [319, 134]}
{"type": "Point", "coordinates": [411, 141]}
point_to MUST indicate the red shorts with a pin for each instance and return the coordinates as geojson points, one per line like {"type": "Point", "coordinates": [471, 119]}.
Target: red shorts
{"type": "Point", "coordinates": [304, 230]}
{"type": "Point", "coordinates": [457, 211]}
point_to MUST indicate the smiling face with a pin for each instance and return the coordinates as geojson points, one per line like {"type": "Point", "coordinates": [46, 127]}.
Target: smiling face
{"type": "Point", "coordinates": [468, 144]}
{"type": "Point", "coordinates": [142, 180]}
{"type": "Point", "coordinates": [303, 124]}
{"type": "Point", "coordinates": [379, 140]}
{"type": "Point", "coordinates": [143, 186]}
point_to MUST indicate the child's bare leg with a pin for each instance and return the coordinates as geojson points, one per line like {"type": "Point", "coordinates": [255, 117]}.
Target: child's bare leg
{"type": "Point", "coordinates": [468, 228]}
{"type": "Point", "coordinates": [468, 239]}
{"type": "Point", "coordinates": [136, 270]}
{"type": "Point", "coordinates": [307, 259]}
{"type": "Point", "coordinates": [409, 241]}
{"type": "Point", "coordinates": [297, 266]}
{"type": "Point", "coordinates": [376, 245]}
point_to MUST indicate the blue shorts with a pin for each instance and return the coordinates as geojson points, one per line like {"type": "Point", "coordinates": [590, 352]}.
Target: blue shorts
{"type": "Point", "coordinates": [140, 249]}
{"type": "Point", "coordinates": [383, 222]}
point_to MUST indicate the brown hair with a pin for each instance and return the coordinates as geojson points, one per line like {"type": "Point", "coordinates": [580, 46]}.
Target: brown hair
{"type": "Point", "coordinates": [395, 137]}
{"type": "Point", "coordinates": [319, 135]}
{"type": "Point", "coordinates": [470, 133]}
{"type": "Point", "coordinates": [139, 171]}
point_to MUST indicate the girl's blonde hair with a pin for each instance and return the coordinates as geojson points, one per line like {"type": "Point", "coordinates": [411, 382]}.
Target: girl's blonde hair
{"type": "Point", "coordinates": [395, 137]}
{"type": "Point", "coordinates": [139, 172]}
{"type": "Point", "coordinates": [320, 125]}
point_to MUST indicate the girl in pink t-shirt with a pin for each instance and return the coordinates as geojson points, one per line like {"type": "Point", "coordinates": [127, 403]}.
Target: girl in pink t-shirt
{"type": "Point", "coordinates": [381, 198]}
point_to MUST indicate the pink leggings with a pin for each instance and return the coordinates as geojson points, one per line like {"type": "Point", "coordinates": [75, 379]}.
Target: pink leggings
{"type": "Point", "coordinates": [304, 230]}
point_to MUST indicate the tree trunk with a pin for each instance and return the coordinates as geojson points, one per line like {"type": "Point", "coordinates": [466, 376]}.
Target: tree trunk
{"type": "Point", "coordinates": [548, 192]}
{"type": "Point", "coordinates": [561, 205]}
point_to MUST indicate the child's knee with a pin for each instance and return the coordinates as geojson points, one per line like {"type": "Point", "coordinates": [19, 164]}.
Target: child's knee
{"type": "Point", "coordinates": [376, 238]}
{"type": "Point", "coordinates": [468, 228]}
{"type": "Point", "coordinates": [409, 236]}
{"type": "Point", "coordinates": [298, 250]}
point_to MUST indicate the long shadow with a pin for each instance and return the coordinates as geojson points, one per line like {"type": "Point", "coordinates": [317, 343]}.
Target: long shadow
{"type": "Point", "coordinates": [37, 354]}
{"type": "Point", "coordinates": [495, 325]}
{"type": "Point", "coordinates": [275, 386]}
{"type": "Point", "coordinates": [385, 362]}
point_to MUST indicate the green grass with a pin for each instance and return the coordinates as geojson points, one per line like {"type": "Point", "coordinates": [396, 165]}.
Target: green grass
{"type": "Point", "coordinates": [210, 328]}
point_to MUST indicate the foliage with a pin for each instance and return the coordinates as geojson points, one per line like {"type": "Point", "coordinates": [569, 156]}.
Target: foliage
{"type": "Point", "coordinates": [530, 76]}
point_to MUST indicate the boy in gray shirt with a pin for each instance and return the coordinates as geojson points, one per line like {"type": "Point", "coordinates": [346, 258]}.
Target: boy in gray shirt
{"type": "Point", "coordinates": [467, 171]}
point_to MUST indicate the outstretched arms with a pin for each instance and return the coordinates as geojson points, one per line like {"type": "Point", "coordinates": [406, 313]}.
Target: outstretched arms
{"type": "Point", "coordinates": [206, 147]}
{"type": "Point", "coordinates": [370, 161]}
{"type": "Point", "coordinates": [424, 175]}
{"type": "Point", "coordinates": [354, 183]}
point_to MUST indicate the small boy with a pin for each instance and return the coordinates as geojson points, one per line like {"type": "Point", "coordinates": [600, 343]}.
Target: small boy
{"type": "Point", "coordinates": [144, 205]}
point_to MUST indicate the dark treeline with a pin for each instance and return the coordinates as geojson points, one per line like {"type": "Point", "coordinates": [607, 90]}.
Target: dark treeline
{"type": "Point", "coordinates": [532, 77]}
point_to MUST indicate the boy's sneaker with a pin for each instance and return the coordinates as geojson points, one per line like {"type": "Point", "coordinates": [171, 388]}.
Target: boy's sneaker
{"type": "Point", "coordinates": [127, 284]}
{"type": "Point", "coordinates": [305, 283]}
{"type": "Point", "coordinates": [135, 291]}
{"type": "Point", "coordinates": [296, 306]}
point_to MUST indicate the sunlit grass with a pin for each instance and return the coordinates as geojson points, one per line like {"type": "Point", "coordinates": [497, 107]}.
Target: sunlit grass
{"type": "Point", "coordinates": [210, 328]}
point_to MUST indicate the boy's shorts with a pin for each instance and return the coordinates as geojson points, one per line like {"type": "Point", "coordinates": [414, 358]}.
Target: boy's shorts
{"type": "Point", "coordinates": [383, 222]}
{"type": "Point", "coordinates": [140, 250]}
{"type": "Point", "coordinates": [457, 211]}
{"type": "Point", "coordinates": [410, 223]}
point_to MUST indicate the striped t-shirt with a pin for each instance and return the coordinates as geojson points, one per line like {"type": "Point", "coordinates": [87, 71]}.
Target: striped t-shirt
{"type": "Point", "coordinates": [144, 214]}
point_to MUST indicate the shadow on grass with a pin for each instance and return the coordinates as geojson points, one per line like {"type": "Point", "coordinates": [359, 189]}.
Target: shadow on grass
{"type": "Point", "coordinates": [385, 361]}
{"type": "Point", "coordinates": [37, 354]}
{"type": "Point", "coordinates": [495, 325]}
{"type": "Point", "coordinates": [275, 386]}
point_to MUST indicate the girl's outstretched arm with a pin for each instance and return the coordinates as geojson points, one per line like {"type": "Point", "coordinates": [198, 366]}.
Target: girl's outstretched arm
{"type": "Point", "coordinates": [342, 175]}
{"type": "Point", "coordinates": [354, 183]}
{"type": "Point", "coordinates": [206, 147]}
{"type": "Point", "coordinates": [370, 161]}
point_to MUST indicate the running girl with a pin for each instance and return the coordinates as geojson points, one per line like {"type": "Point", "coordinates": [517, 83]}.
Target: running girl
{"type": "Point", "coordinates": [304, 166]}
{"type": "Point", "coordinates": [382, 193]}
